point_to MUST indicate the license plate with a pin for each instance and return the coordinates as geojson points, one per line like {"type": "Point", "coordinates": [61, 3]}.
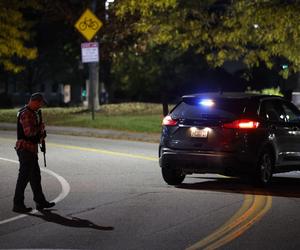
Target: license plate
{"type": "Point", "coordinates": [199, 133]}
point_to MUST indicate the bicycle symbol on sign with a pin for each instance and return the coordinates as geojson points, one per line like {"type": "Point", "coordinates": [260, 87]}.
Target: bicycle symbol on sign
{"type": "Point", "coordinates": [88, 23]}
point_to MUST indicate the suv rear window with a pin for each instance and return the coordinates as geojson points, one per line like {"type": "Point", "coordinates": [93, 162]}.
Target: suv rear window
{"type": "Point", "coordinates": [192, 108]}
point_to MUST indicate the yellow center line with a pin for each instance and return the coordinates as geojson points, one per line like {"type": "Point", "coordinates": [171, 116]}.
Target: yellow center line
{"type": "Point", "coordinates": [248, 200]}
{"type": "Point", "coordinates": [252, 210]}
{"type": "Point", "coordinates": [263, 204]}
{"type": "Point", "coordinates": [103, 151]}
{"type": "Point", "coordinates": [95, 150]}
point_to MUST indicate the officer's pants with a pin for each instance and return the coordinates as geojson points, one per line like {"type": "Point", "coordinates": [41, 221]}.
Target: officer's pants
{"type": "Point", "coordinates": [29, 171]}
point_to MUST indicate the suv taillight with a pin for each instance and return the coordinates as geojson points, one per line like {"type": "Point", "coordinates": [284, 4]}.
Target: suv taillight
{"type": "Point", "coordinates": [242, 124]}
{"type": "Point", "coordinates": [168, 121]}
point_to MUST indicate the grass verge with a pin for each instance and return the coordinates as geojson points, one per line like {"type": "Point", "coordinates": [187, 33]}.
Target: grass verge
{"type": "Point", "coordinates": [134, 117]}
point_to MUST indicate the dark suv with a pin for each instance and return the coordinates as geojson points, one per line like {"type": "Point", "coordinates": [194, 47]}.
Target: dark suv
{"type": "Point", "coordinates": [233, 134]}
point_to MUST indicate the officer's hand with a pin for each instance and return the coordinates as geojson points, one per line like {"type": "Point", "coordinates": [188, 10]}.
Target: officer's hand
{"type": "Point", "coordinates": [42, 127]}
{"type": "Point", "coordinates": [43, 135]}
{"type": "Point", "coordinates": [42, 131]}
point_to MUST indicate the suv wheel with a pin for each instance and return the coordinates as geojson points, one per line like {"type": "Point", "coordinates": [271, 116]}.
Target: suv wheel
{"type": "Point", "coordinates": [172, 176]}
{"type": "Point", "coordinates": [265, 167]}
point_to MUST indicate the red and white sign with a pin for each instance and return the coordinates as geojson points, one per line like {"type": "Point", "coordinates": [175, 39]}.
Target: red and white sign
{"type": "Point", "coordinates": [90, 52]}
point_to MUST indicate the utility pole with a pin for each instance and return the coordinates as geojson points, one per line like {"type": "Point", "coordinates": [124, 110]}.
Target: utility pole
{"type": "Point", "coordinates": [94, 78]}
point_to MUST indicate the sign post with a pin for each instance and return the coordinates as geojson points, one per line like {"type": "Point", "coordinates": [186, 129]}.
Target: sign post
{"type": "Point", "coordinates": [88, 25]}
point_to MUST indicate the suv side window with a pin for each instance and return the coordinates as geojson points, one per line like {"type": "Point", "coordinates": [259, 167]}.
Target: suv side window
{"type": "Point", "coordinates": [272, 111]}
{"type": "Point", "coordinates": [292, 114]}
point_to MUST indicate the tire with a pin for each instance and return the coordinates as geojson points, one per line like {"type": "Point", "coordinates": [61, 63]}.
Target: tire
{"type": "Point", "coordinates": [264, 170]}
{"type": "Point", "coordinates": [172, 176]}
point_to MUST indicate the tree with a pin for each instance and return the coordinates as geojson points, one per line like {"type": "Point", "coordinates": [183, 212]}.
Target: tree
{"type": "Point", "coordinates": [159, 74]}
{"type": "Point", "coordinates": [254, 32]}
{"type": "Point", "coordinates": [15, 34]}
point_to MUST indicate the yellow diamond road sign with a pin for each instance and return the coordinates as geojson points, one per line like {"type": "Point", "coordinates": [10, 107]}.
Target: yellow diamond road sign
{"type": "Point", "coordinates": [88, 24]}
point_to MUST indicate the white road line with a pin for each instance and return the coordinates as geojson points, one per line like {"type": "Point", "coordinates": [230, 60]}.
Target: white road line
{"type": "Point", "coordinates": [65, 190]}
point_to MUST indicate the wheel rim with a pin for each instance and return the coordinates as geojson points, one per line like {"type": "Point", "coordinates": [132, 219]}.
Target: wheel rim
{"type": "Point", "coordinates": [266, 168]}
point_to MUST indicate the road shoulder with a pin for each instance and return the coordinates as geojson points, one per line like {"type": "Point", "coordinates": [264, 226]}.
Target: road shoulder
{"type": "Point", "coordinates": [92, 132]}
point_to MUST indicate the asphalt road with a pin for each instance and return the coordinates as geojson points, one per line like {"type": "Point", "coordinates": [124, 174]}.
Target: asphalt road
{"type": "Point", "coordinates": [111, 195]}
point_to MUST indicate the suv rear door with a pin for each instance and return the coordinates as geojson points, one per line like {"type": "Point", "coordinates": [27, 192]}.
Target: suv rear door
{"type": "Point", "coordinates": [282, 132]}
{"type": "Point", "coordinates": [292, 121]}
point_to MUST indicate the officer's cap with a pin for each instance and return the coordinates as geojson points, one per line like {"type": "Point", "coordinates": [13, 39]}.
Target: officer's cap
{"type": "Point", "coordinates": [38, 97]}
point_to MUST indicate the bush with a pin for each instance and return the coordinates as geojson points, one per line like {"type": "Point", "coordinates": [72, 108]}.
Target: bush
{"type": "Point", "coordinates": [268, 91]}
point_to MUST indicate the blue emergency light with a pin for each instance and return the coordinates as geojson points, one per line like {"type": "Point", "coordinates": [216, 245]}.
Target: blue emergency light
{"type": "Point", "coordinates": [207, 103]}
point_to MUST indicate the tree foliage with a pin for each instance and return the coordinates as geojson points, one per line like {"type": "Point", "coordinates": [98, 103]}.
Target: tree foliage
{"type": "Point", "coordinates": [148, 75]}
{"type": "Point", "coordinates": [15, 34]}
{"type": "Point", "coordinates": [255, 32]}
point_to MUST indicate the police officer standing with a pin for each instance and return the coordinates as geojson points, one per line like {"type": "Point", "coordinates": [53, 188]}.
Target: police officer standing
{"type": "Point", "coordinates": [30, 132]}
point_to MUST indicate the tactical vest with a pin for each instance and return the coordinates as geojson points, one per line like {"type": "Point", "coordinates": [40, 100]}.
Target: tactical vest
{"type": "Point", "coordinates": [20, 130]}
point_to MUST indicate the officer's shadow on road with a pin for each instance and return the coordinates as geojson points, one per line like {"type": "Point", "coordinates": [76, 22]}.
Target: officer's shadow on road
{"type": "Point", "coordinates": [50, 216]}
{"type": "Point", "coordinates": [280, 186]}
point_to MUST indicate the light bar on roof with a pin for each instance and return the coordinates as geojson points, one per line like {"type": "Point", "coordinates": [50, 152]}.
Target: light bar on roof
{"type": "Point", "coordinates": [207, 102]}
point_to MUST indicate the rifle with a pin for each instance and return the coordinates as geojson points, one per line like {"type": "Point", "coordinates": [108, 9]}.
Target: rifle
{"type": "Point", "coordinates": [43, 144]}
{"type": "Point", "coordinates": [43, 149]}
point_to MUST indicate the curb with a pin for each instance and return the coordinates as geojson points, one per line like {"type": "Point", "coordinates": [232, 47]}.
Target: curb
{"type": "Point", "coordinates": [92, 132]}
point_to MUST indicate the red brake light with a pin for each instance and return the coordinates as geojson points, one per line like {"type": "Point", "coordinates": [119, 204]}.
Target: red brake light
{"type": "Point", "coordinates": [168, 121]}
{"type": "Point", "coordinates": [242, 124]}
